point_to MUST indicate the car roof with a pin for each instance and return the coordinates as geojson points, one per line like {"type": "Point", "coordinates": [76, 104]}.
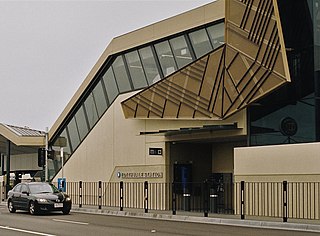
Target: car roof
{"type": "Point", "coordinates": [33, 183]}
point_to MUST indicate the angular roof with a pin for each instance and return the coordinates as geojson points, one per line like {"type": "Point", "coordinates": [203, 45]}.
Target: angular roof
{"type": "Point", "coordinates": [22, 136]}
{"type": "Point", "coordinates": [187, 20]}
{"type": "Point", "coordinates": [251, 64]}
{"type": "Point", "coordinates": [25, 131]}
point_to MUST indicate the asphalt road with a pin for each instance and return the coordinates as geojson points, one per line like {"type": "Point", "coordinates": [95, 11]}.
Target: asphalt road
{"type": "Point", "coordinates": [76, 224]}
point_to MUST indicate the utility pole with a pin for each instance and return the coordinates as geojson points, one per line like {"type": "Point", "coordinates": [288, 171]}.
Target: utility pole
{"type": "Point", "coordinates": [46, 157]}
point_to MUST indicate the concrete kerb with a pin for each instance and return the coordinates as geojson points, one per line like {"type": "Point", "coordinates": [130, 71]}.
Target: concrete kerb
{"type": "Point", "coordinates": [207, 220]}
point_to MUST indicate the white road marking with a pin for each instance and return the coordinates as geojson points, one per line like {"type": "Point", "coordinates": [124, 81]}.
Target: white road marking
{"type": "Point", "coordinates": [25, 231]}
{"type": "Point", "coordinates": [71, 222]}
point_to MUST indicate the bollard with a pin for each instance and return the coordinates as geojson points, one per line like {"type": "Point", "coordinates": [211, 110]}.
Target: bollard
{"type": "Point", "coordinates": [3, 191]}
{"type": "Point", "coordinates": [205, 198]}
{"type": "Point", "coordinates": [80, 194]}
{"type": "Point", "coordinates": [242, 206]}
{"type": "Point", "coordinates": [285, 201]}
{"type": "Point", "coordinates": [146, 197]}
{"type": "Point", "coordinates": [100, 195]}
{"type": "Point", "coordinates": [121, 196]}
{"type": "Point", "coordinates": [174, 200]}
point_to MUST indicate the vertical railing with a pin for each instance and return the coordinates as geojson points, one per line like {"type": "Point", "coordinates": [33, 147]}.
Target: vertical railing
{"type": "Point", "coordinates": [205, 199]}
{"type": "Point", "coordinates": [285, 201]}
{"type": "Point", "coordinates": [80, 194]}
{"type": "Point", "coordinates": [242, 202]}
{"type": "Point", "coordinates": [100, 195]}
{"type": "Point", "coordinates": [174, 199]}
{"type": "Point", "coordinates": [146, 197]}
{"type": "Point", "coordinates": [121, 196]}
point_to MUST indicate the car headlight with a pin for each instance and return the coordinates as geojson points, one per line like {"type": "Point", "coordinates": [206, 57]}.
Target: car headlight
{"type": "Point", "coordinates": [42, 200]}
{"type": "Point", "coordinates": [68, 199]}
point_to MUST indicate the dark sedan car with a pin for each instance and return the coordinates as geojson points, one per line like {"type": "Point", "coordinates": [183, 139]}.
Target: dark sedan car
{"type": "Point", "coordinates": [36, 197]}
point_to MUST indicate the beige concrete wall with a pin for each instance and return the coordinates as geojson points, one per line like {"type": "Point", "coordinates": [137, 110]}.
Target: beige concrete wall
{"type": "Point", "coordinates": [294, 162]}
{"type": "Point", "coordinates": [222, 156]}
{"type": "Point", "coordinates": [265, 168]}
{"type": "Point", "coordinates": [112, 146]}
{"type": "Point", "coordinates": [115, 144]}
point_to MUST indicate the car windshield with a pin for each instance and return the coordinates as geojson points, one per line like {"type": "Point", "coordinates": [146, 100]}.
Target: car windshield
{"type": "Point", "coordinates": [42, 188]}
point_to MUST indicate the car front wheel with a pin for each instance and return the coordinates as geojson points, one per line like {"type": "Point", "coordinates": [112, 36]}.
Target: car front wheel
{"type": "Point", "coordinates": [66, 211]}
{"type": "Point", "coordinates": [11, 207]}
{"type": "Point", "coordinates": [32, 208]}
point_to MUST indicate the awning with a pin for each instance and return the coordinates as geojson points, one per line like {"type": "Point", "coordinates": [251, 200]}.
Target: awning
{"type": "Point", "coordinates": [193, 130]}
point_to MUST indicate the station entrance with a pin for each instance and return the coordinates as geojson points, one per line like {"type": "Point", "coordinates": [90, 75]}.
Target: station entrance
{"type": "Point", "coordinates": [203, 169]}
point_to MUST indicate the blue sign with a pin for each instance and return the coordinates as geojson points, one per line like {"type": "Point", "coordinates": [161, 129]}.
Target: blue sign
{"type": "Point", "coordinates": [62, 184]}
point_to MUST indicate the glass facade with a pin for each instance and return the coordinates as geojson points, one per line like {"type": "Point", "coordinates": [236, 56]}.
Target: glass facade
{"type": "Point", "coordinates": [181, 51]}
{"type": "Point", "coordinates": [200, 42]}
{"type": "Point", "coordinates": [289, 115]}
{"type": "Point", "coordinates": [166, 59]}
{"type": "Point", "coordinates": [134, 69]}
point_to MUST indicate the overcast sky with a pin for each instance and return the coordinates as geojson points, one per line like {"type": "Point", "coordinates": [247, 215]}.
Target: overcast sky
{"type": "Point", "coordinates": [47, 48]}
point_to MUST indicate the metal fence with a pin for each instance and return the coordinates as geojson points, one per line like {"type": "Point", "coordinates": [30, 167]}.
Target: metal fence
{"type": "Point", "coordinates": [144, 195]}
{"type": "Point", "coordinates": [296, 200]}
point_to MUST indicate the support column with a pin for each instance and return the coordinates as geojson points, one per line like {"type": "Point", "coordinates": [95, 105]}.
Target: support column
{"type": "Point", "coordinates": [8, 166]}
{"type": "Point", "coordinates": [2, 163]}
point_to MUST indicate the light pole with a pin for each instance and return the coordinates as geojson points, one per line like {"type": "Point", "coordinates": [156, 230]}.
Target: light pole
{"type": "Point", "coordinates": [46, 157]}
{"type": "Point", "coordinates": [62, 161]}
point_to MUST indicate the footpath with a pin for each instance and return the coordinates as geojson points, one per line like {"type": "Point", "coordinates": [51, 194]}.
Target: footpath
{"type": "Point", "coordinates": [218, 219]}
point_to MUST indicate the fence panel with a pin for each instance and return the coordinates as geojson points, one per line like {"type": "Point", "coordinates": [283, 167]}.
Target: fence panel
{"type": "Point", "coordinates": [304, 200]}
{"type": "Point", "coordinates": [260, 199]}
{"type": "Point", "coordinates": [159, 196]}
{"type": "Point", "coordinates": [300, 200]}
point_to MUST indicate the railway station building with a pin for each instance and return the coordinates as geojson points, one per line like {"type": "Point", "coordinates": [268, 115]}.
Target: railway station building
{"type": "Point", "coordinates": [225, 92]}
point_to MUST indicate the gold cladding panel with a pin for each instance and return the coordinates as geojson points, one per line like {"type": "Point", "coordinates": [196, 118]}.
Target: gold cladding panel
{"type": "Point", "coordinates": [235, 12]}
{"type": "Point", "coordinates": [209, 79]}
{"type": "Point", "coordinates": [243, 45]}
{"type": "Point", "coordinates": [171, 110]}
{"type": "Point", "coordinates": [186, 111]}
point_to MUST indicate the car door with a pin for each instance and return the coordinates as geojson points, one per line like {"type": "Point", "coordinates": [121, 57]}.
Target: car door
{"type": "Point", "coordinates": [15, 198]}
{"type": "Point", "coordinates": [24, 197]}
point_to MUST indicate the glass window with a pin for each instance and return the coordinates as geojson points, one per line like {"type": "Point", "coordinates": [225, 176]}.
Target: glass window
{"type": "Point", "coordinates": [81, 123]}
{"type": "Point", "coordinates": [216, 34]}
{"type": "Point", "coordinates": [121, 75]}
{"type": "Point", "coordinates": [17, 188]}
{"type": "Point", "coordinates": [166, 59]}
{"type": "Point", "coordinates": [136, 70]}
{"type": "Point", "coordinates": [100, 98]}
{"type": "Point", "coordinates": [181, 51]}
{"type": "Point", "coordinates": [24, 188]}
{"type": "Point", "coordinates": [111, 85]}
{"type": "Point", "coordinates": [149, 65]}
{"type": "Point", "coordinates": [73, 133]}
{"type": "Point", "coordinates": [200, 42]}
{"type": "Point", "coordinates": [91, 110]}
